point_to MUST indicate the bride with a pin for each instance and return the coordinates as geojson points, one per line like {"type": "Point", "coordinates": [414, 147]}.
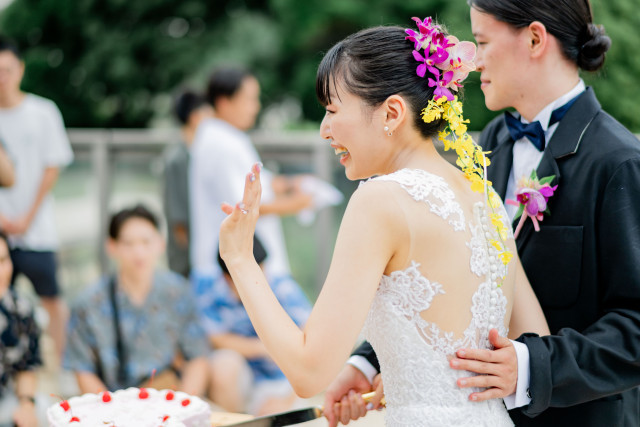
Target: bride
{"type": "Point", "coordinates": [424, 260]}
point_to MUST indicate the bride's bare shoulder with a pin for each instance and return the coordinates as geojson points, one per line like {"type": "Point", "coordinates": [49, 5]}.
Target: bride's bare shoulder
{"type": "Point", "coordinates": [375, 194]}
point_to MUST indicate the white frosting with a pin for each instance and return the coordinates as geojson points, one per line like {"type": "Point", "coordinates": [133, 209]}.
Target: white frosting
{"type": "Point", "coordinates": [127, 409]}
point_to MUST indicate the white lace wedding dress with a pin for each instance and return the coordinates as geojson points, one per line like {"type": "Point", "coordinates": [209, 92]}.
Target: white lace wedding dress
{"type": "Point", "coordinates": [447, 300]}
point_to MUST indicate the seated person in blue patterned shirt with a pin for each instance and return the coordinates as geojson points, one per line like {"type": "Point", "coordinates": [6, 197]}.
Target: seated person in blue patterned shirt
{"type": "Point", "coordinates": [19, 350]}
{"type": "Point", "coordinates": [243, 377]}
{"type": "Point", "coordinates": [139, 320]}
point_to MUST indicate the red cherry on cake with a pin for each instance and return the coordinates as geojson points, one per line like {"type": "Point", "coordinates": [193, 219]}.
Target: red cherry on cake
{"type": "Point", "coordinates": [64, 405]}
{"type": "Point", "coordinates": [143, 393]}
{"type": "Point", "coordinates": [165, 418]}
{"type": "Point", "coordinates": [169, 395]}
{"type": "Point", "coordinates": [106, 397]}
{"type": "Point", "coordinates": [186, 402]}
{"type": "Point", "coordinates": [74, 420]}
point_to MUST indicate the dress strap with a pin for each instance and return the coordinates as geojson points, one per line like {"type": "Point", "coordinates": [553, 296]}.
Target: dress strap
{"type": "Point", "coordinates": [431, 189]}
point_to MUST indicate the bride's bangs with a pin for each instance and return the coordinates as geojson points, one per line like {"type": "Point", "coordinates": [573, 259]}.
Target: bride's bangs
{"type": "Point", "coordinates": [330, 71]}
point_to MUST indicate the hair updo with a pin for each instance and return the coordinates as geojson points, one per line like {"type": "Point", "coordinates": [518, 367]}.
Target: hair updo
{"type": "Point", "coordinates": [374, 64]}
{"type": "Point", "coordinates": [569, 21]}
{"type": "Point", "coordinates": [592, 54]}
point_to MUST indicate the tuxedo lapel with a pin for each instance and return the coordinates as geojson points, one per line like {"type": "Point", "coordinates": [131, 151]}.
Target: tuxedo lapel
{"type": "Point", "coordinates": [565, 142]}
{"type": "Point", "coordinates": [568, 136]}
{"type": "Point", "coordinates": [501, 162]}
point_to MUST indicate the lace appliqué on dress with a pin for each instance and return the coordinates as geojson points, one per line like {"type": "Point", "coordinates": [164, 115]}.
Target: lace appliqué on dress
{"type": "Point", "coordinates": [430, 189]}
{"type": "Point", "coordinates": [484, 258]}
{"type": "Point", "coordinates": [420, 387]}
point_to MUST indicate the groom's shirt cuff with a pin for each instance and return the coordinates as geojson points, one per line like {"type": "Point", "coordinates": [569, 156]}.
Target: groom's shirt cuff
{"type": "Point", "coordinates": [521, 397]}
{"type": "Point", "coordinates": [363, 365]}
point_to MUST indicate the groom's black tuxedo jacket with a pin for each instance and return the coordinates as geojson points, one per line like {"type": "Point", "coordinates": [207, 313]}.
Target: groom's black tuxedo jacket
{"type": "Point", "coordinates": [584, 266]}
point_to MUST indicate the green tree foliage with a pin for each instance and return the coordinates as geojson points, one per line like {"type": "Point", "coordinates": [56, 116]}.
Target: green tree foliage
{"type": "Point", "coordinates": [618, 84]}
{"type": "Point", "coordinates": [117, 62]}
{"type": "Point", "coordinates": [112, 62]}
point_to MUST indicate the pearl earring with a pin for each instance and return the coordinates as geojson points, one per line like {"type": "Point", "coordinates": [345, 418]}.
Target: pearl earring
{"type": "Point", "coordinates": [386, 129]}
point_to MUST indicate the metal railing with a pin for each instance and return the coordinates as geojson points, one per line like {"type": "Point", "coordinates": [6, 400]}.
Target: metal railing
{"type": "Point", "coordinates": [104, 147]}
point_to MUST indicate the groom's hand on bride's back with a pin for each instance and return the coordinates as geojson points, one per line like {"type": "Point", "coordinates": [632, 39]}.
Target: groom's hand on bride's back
{"type": "Point", "coordinates": [342, 400]}
{"type": "Point", "coordinates": [497, 369]}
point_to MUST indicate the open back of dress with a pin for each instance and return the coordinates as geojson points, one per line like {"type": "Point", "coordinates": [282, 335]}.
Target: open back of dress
{"type": "Point", "coordinates": [453, 290]}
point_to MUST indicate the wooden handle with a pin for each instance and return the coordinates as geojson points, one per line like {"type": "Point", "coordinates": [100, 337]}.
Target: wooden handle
{"type": "Point", "coordinates": [368, 396]}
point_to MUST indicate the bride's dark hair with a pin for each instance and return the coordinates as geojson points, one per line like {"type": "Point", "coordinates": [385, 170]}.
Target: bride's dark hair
{"type": "Point", "coordinates": [374, 64]}
{"type": "Point", "coordinates": [569, 21]}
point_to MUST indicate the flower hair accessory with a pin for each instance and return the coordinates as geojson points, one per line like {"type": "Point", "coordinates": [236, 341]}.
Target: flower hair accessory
{"type": "Point", "coordinates": [533, 194]}
{"type": "Point", "coordinates": [450, 61]}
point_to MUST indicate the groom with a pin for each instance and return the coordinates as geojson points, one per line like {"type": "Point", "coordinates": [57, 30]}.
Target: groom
{"type": "Point", "coordinates": [583, 264]}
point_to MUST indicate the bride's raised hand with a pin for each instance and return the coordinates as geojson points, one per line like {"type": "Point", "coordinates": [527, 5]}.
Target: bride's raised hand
{"type": "Point", "coordinates": [237, 229]}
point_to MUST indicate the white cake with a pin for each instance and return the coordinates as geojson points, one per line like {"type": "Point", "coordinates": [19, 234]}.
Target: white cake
{"type": "Point", "coordinates": [132, 407]}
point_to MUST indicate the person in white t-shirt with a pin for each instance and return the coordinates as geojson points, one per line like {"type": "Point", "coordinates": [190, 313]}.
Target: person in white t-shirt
{"type": "Point", "coordinates": [220, 155]}
{"type": "Point", "coordinates": [7, 175]}
{"type": "Point", "coordinates": [33, 132]}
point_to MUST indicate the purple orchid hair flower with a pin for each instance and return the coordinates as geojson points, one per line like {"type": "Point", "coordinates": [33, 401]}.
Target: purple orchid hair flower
{"type": "Point", "coordinates": [441, 85]}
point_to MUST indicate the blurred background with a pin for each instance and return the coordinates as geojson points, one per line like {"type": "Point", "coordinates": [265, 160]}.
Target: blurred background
{"type": "Point", "coordinates": [113, 66]}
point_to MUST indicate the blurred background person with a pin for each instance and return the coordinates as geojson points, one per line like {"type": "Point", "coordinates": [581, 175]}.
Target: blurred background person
{"type": "Point", "coordinates": [19, 351]}
{"type": "Point", "coordinates": [7, 173]}
{"type": "Point", "coordinates": [190, 109]}
{"type": "Point", "coordinates": [221, 153]}
{"type": "Point", "coordinates": [32, 129]}
{"type": "Point", "coordinates": [244, 378]}
{"type": "Point", "coordinates": [137, 320]}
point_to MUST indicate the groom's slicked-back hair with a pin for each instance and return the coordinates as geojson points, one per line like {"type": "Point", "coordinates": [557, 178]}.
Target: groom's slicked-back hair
{"type": "Point", "coordinates": [569, 21]}
{"type": "Point", "coordinates": [374, 64]}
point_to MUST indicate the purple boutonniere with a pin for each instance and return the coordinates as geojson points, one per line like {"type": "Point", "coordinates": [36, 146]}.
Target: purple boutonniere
{"type": "Point", "coordinates": [533, 196]}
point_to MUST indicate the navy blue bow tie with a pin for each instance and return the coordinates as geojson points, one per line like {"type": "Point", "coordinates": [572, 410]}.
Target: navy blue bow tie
{"type": "Point", "coordinates": [533, 131]}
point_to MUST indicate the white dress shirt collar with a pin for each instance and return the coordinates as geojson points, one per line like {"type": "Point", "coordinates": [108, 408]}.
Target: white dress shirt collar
{"type": "Point", "coordinates": [526, 157]}
{"type": "Point", "coordinates": [545, 114]}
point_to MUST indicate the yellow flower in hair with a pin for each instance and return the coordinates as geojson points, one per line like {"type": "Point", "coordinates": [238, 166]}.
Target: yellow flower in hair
{"type": "Point", "coordinates": [431, 114]}
{"type": "Point", "coordinates": [498, 223]}
{"type": "Point", "coordinates": [448, 142]}
{"type": "Point", "coordinates": [505, 257]}
{"type": "Point", "coordinates": [484, 159]}
{"type": "Point", "coordinates": [496, 244]}
{"type": "Point", "coordinates": [496, 220]}
{"type": "Point", "coordinates": [477, 184]}
{"type": "Point", "coordinates": [466, 147]}
{"type": "Point", "coordinates": [465, 162]}
{"type": "Point", "coordinates": [461, 129]}
{"type": "Point", "coordinates": [494, 199]}
{"type": "Point", "coordinates": [434, 110]}
{"type": "Point", "coordinates": [456, 105]}
{"type": "Point", "coordinates": [471, 160]}
{"type": "Point", "coordinates": [504, 232]}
